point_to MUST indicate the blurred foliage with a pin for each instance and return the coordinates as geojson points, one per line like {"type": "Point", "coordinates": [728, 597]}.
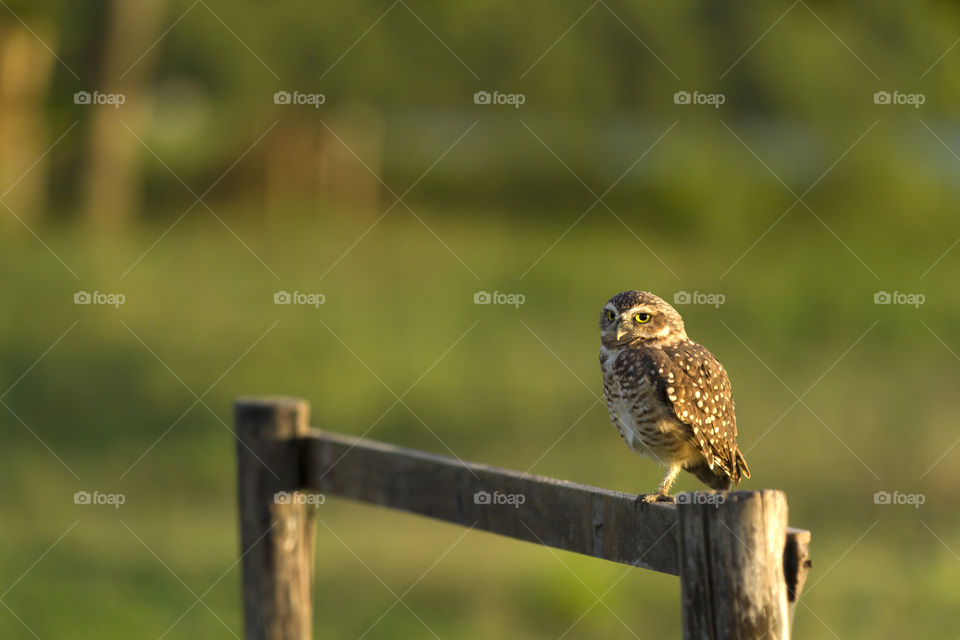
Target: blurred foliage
{"type": "Point", "coordinates": [599, 94]}
{"type": "Point", "coordinates": [693, 198]}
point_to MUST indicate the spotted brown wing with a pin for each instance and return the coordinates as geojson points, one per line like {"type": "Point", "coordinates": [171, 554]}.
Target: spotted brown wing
{"type": "Point", "coordinates": [692, 381]}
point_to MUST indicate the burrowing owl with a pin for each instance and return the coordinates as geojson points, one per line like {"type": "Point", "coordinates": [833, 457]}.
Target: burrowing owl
{"type": "Point", "coordinates": [669, 397]}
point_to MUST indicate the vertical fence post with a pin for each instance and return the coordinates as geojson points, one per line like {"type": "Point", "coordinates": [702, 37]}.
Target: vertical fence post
{"type": "Point", "coordinates": [732, 582]}
{"type": "Point", "coordinates": [276, 535]}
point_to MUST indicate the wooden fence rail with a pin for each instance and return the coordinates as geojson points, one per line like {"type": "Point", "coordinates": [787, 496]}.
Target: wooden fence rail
{"type": "Point", "coordinates": [741, 568]}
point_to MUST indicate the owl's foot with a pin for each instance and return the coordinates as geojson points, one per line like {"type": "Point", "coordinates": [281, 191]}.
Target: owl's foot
{"type": "Point", "coordinates": [647, 498]}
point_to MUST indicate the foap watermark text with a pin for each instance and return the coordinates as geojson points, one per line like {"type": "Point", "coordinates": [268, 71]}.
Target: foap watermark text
{"type": "Point", "coordinates": [698, 297]}
{"type": "Point", "coordinates": [298, 297]}
{"type": "Point", "coordinates": [485, 297]}
{"type": "Point", "coordinates": [696, 97]}
{"type": "Point", "coordinates": [912, 499]}
{"type": "Point", "coordinates": [512, 99]}
{"type": "Point", "coordinates": [898, 297]}
{"type": "Point", "coordinates": [298, 497]}
{"type": "Point", "coordinates": [99, 297]}
{"type": "Point", "coordinates": [701, 497]}
{"type": "Point", "coordinates": [496, 498]}
{"type": "Point", "coordinates": [898, 97]}
{"type": "Point", "coordinates": [112, 499]}
{"type": "Point", "coordinates": [296, 97]}
{"type": "Point", "coordinates": [96, 98]}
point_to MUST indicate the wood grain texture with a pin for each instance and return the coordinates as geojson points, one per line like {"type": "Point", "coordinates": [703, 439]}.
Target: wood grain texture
{"type": "Point", "coordinates": [574, 517]}
{"type": "Point", "coordinates": [276, 536]}
{"type": "Point", "coordinates": [732, 579]}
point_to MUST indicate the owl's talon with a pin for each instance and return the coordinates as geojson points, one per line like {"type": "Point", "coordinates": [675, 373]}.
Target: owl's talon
{"type": "Point", "coordinates": [648, 498]}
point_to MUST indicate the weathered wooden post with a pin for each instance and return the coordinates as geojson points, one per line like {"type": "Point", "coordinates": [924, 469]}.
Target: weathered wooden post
{"type": "Point", "coordinates": [276, 529]}
{"type": "Point", "coordinates": [732, 580]}
{"type": "Point", "coordinates": [741, 569]}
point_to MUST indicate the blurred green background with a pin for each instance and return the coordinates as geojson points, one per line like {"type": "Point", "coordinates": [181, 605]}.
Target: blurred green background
{"type": "Point", "coordinates": [798, 199]}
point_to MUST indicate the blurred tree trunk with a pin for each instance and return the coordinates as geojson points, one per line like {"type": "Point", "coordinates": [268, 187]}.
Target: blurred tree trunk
{"type": "Point", "coordinates": [312, 165]}
{"type": "Point", "coordinates": [111, 185]}
{"type": "Point", "coordinates": [346, 185]}
{"type": "Point", "coordinates": [25, 73]}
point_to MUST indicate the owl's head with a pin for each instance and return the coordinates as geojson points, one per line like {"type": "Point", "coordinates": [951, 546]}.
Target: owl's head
{"type": "Point", "coordinates": [640, 316]}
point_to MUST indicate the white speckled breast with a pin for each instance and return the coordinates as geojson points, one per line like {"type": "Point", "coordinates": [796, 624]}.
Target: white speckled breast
{"type": "Point", "coordinates": [644, 423]}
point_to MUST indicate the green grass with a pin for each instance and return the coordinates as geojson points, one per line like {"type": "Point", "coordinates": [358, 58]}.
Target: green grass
{"type": "Point", "coordinates": [505, 394]}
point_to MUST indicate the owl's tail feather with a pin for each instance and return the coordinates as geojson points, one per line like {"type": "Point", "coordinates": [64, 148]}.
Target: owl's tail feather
{"type": "Point", "coordinates": [740, 468]}
{"type": "Point", "coordinates": [717, 478]}
{"type": "Point", "coordinates": [709, 477]}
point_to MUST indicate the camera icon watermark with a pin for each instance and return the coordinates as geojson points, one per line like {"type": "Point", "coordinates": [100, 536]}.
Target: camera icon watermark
{"type": "Point", "coordinates": [96, 98]}
{"type": "Point", "coordinates": [298, 297]}
{"type": "Point", "coordinates": [696, 97]}
{"type": "Point", "coordinates": [299, 497]}
{"type": "Point", "coordinates": [485, 297]}
{"type": "Point", "coordinates": [97, 297]}
{"type": "Point", "coordinates": [496, 498]}
{"type": "Point", "coordinates": [912, 499]}
{"type": "Point", "coordinates": [899, 98]}
{"type": "Point", "coordinates": [712, 299]}
{"type": "Point", "coordinates": [911, 299]}
{"type": "Point", "coordinates": [96, 498]}
{"type": "Point", "coordinates": [297, 98]}
{"type": "Point", "coordinates": [512, 99]}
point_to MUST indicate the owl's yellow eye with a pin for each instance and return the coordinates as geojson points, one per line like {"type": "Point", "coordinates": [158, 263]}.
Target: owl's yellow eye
{"type": "Point", "coordinates": [610, 315]}
{"type": "Point", "coordinates": [642, 317]}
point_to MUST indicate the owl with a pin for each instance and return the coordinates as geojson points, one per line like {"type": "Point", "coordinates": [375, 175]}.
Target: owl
{"type": "Point", "coordinates": [668, 396]}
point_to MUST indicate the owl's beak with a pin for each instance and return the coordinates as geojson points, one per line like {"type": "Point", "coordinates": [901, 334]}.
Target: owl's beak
{"type": "Point", "coordinates": [621, 332]}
